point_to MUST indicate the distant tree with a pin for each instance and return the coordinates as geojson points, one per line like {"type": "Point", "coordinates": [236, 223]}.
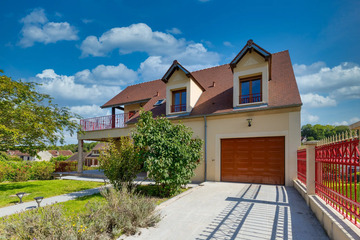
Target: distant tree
{"type": "Point", "coordinates": [318, 131]}
{"type": "Point", "coordinates": [30, 121]}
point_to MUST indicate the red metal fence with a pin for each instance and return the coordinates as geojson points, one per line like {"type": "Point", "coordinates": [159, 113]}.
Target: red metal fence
{"type": "Point", "coordinates": [105, 122]}
{"type": "Point", "coordinates": [337, 173]}
{"type": "Point", "coordinates": [301, 165]}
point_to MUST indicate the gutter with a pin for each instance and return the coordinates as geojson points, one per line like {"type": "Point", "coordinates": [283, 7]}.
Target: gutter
{"type": "Point", "coordinates": [205, 143]}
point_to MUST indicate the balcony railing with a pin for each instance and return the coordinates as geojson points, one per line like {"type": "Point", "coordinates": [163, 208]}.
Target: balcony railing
{"type": "Point", "coordinates": [250, 98]}
{"type": "Point", "coordinates": [178, 108]}
{"type": "Point", "coordinates": [105, 122]}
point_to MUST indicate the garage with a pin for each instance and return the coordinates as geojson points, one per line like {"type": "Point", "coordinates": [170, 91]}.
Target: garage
{"type": "Point", "coordinates": [253, 160]}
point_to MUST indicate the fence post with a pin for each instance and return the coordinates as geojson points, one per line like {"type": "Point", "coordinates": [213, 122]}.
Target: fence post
{"type": "Point", "coordinates": [310, 167]}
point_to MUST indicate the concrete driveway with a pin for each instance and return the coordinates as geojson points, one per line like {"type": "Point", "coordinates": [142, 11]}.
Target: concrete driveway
{"type": "Point", "coordinates": [236, 211]}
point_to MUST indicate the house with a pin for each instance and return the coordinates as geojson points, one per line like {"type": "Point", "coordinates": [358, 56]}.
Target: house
{"type": "Point", "coordinates": [355, 126]}
{"type": "Point", "coordinates": [23, 156]}
{"type": "Point", "coordinates": [57, 153]}
{"type": "Point", "coordinates": [91, 158]}
{"type": "Point", "coordinates": [75, 157]}
{"type": "Point", "coordinates": [43, 156]}
{"type": "Point", "coordinates": [247, 112]}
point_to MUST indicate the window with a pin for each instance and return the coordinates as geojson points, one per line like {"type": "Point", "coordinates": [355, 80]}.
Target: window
{"type": "Point", "coordinates": [159, 102]}
{"type": "Point", "coordinates": [250, 90]}
{"type": "Point", "coordinates": [178, 101]}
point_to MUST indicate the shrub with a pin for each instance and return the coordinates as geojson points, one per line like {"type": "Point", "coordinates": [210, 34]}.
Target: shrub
{"type": "Point", "coordinates": [42, 170]}
{"type": "Point", "coordinates": [168, 151]}
{"type": "Point", "coordinates": [124, 212]}
{"type": "Point", "coordinates": [23, 171]}
{"type": "Point", "coordinates": [120, 162]}
{"type": "Point", "coordinates": [66, 166]}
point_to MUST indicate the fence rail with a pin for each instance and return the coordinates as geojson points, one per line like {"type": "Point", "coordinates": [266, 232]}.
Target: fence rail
{"type": "Point", "coordinates": [337, 174]}
{"type": "Point", "coordinates": [105, 122]}
{"type": "Point", "coordinates": [301, 165]}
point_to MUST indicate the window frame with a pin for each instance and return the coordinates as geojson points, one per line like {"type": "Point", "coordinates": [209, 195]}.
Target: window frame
{"type": "Point", "coordinates": [173, 92]}
{"type": "Point", "coordinates": [250, 79]}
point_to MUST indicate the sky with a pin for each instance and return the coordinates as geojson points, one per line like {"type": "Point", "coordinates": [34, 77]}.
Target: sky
{"type": "Point", "coordinates": [84, 52]}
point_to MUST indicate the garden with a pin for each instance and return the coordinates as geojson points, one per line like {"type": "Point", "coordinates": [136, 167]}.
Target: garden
{"type": "Point", "coordinates": [166, 151]}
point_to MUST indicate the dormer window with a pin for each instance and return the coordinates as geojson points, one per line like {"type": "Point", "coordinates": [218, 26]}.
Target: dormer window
{"type": "Point", "coordinates": [250, 90]}
{"type": "Point", "coordinates": [178, 101]}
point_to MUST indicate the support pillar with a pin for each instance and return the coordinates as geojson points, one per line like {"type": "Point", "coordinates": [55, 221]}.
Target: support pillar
{"type": "Point", "coordinates": [113, 117]}
{"type": "Point", "coordinates": [81, 152]}
{"type": "Point", "coordinates": [310, 167]}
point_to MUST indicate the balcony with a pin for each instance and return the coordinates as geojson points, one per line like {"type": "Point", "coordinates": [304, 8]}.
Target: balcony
{"type": "Point", "coordinates": [106, 122]}
{"type": "Point", "coordinates": [178, 108]}
{"type": "Point", "coordinates": [250, 98]}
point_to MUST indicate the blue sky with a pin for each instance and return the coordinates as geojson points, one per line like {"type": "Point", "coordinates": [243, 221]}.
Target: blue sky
{"type": "Point", "coordinates": [84, 52]}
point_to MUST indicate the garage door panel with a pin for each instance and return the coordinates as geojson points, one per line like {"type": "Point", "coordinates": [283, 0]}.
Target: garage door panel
{"type": "Point", "coordinates": [253, 160]}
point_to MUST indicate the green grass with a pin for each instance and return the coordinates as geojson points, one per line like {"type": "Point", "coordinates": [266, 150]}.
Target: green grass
{"type": "Point", "coordinates": [44, 188]}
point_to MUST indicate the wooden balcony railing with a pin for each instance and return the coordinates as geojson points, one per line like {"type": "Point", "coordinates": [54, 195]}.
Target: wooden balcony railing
{"type": "Point", "coordinates": [178, 108]}
{"type": "Point", "coordinates": [106, 122]}
{"type": "Point", "coordinates": [250, 98]}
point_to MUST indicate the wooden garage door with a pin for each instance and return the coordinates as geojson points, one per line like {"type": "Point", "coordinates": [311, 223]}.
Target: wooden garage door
{"type": "Point", "coordinates": [253, 160]}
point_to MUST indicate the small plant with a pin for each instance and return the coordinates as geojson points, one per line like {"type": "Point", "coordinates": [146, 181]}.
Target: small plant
{"type": "Point", "coordinates": [120, 162]}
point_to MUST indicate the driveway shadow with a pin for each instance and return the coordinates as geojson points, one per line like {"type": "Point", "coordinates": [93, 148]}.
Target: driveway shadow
{"type": "Point", "coordinates": [264, 212]}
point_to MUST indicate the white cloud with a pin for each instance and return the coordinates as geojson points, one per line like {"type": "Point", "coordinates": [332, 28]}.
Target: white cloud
{"type": "Point", "coordinates": [315, 100]}
{"type": "Point", "coordinates": [109, 75]}
{"type": "Point", "coordinates": [37, 28]}
{"type": "Point", "coordinates": [88, 111]}
{"type": "Point", "coordinates": [227, 44]}
{"type": "Point", "coordinates": [141, 38]}
{"type": "Point", "coordinates": [351, 121]}
{"type": "Point", "coordinates": [309, 118]}
{"type": "Point", "coordinates": [64, 88]}
{"type": "Point", "coordinates": [352, 92]}
{"type": "Point", "coordinates": [86, 21]}
{"type": "Point", "coordinates": [174, 31]}
{"type": "Point", "coordinates": [321, 79]}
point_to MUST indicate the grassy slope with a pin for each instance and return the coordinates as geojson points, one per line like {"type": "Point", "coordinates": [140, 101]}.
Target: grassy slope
{"type": "Point", "coordinates": [45, 188]}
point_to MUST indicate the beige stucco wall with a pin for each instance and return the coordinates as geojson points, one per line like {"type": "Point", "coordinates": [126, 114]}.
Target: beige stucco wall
{"type": "Point", "coordinates": [251, 64]}
{"type": "Point", "coordinates": [102, 135]}
{"type": "Point", "coordinates": [178, 81]}
{"type": "Point", "coordinates": [133, 107]}
{"type": "Point", "coordinates": [264, 124]}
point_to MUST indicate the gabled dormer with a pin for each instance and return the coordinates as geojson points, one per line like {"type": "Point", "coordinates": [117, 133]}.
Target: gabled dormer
{"type": "Point", "coordinates": [182, 90]}
{"type": "Point", "coordinates": [251, 75]}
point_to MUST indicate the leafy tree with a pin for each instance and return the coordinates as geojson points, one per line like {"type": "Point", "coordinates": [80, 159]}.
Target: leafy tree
{"type": "Point", "coordinates": [29, 121]}
{"type": "Point", "coordinates": [318, 131]}
{"type": "Point", "coordinates": [169, 153]}
{"type": "Point", "coordinates": [120, 162]}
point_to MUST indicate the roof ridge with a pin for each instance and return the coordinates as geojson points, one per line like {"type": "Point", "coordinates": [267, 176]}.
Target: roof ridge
{"type": "Point", "coordinates": [210, 68]}
{"type": "Point", "coordinates": [143, 83]}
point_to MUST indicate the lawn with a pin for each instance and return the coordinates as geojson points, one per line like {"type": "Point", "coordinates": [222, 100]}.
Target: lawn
{"type": "Point", "coordinates": [44, 188]}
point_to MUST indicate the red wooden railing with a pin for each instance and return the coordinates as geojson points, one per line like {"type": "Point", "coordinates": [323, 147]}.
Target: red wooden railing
{"type": "Point", "coordinates": [178, 108]}
{"type": "Point", "coordinates": [105, 122]}
{"type": "Point", "coordinates": [337, 172]}
{"type": "Point", "coordinates": [301, 165]}
{"type": "Point", "coordinates": [250, 98]}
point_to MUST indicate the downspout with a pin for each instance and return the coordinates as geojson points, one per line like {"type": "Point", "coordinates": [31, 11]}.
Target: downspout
{"type": "Point", "coordinates": [205, 145]}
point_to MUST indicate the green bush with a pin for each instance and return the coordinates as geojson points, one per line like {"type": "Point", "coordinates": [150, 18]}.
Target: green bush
{"type": "Point", "coordinates": [169, 153]}
{"type": "Point", "coordinates": [123, 213]}
{"type": "Point", "coordinates": [120, 162]}
{"type": "Point", "coordinates": [23, 171]}
{"type": "Point", "coordinates": [60, 158]}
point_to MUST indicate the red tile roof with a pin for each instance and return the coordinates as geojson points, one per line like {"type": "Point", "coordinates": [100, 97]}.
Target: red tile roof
{"type": "Point", "coordinates": [283, 90]}
{"type": "Point", "coordinates": [57, 153]}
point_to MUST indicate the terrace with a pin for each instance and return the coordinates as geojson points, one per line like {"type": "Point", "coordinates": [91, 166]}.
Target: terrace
{"type": "Point", "coordinates": [106, 122]}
